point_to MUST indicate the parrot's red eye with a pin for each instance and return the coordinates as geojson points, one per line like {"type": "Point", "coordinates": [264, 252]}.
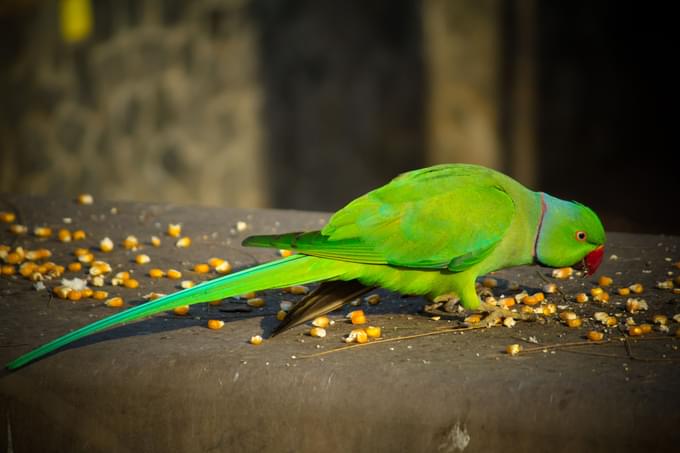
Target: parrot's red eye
{"type": "Point", "coordinates": [581, 235]}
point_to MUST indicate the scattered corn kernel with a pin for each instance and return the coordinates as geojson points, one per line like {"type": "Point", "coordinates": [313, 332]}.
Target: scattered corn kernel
{"type": "Point", "coordinates": [18, 229]}
{"type": "Point", "coordinates": [183, 242]}
{"type": "Point", "coordinates": [114, 302]}
{"type": "Point", "coordinates": [318, 332]}
{"type": "Point", "coordinates": [646, 328]}
{"type": "Point", "coordinates": [637, 288]}
{"type": "Point", "coordinates": [224, 267]}
{"type": "Point", "coordinates": [86, 259]}
{"type": "Point", "coordinates": [42, 232]}
{"type": "Point", "coordinates": [596, 291]}
{"type": "Point", "coordinates": [594, 335]}
{"type": "Point", "coordinates": [513, 349]}
{"type": "Point", "coordinates": [633, 305]}
{"type": "Point", "coordinates": [142, 259]}
{"type": "Point", "coordinates": [155, 241]}
{"type": "Point", "coordinates": [256, 302]}
{"type": "Point", "coordinates": [285, 253]}
{"type": "Point", "coordinates": [185, 284]}
{"type": "Point", "coordinates": [106, 244]}
{"type": "Point", "coordinates": [280, 315]}
{"type": "Point", "coordinates": [201, 268]}
{"type": "Point", "coordinates": [666, 284]}
{"type": "Point", "coordinates": [173, 274]}
{"type": "Point", "coordinates": [507, 302]}
{"type": "Point", "coordinates": [78, 235]}
{"type": "Point", "coordinates": [550, 288]}
{"type": "Point", "coordinates": [530, 300]}
{"type": "Point", "coordinates": [241, 226]}
{"type": "Point", "coordinates": [7, 217]}
{"type": "Point", "coordinates": [509, 322]}
{"type": "Point", "coordinates": [131, 283]}
{"type": "Point", "coordinates": [298, 290]}
{"type": "Point", "coordinates": [604, 280]}
{"type": "Point", "coordinates": [603, 297]}
{"type": "Point", "coordinates": [214, 262]}
{"type": "Point", "coordinates": [357, 336]}
{"type": "Point", "coordinates": [526, 309]}
{"type": "Point", "coordinates": [64, 235]}
{"type": "Point", "coordinates": [574, 323]}
{"type": "Point", "coordinates": [85, 198]}
{"type": "Point", "coordinates": [256, 340]}
{"type": "Point", "coordinates": [473, 319]}
{"type": "Point", "coordinates": [372, 299]}
{"type": "Point", "coordinates": [213, 303]}
{"type": "Point", "coordinates": [286, 305]}
{"type": "Point", "coordinates": [660, 319]}
{"type": "Point", "coordinates": [635, 331]}
{"type": "Point", "coordinates": [249, 295]}
{"type": "Point", "coordinates": [174, 230]}
{"type": "Point", "coordinates": [550, 309]}
{"type": "Point", "coordinates": [357, 317]}
{"type": "Point", "coordinates": [13, 258]}
{"type": "Point", "coordinates": [153, 296]}
{"type": "Point", "coordinates": [100, 295]}
{"type": "Point", "coordinates": [8, 269]}
{"type": "Point", "coordinates": [215, 324]}
{"type": "Point", "coordinates": [61, 291]}
{"type": "Point", "coordinates": [80, 251]}
{"type": "Point", "coordinates": [181, 310]}
{"type": "Point", "coordinates": [611, 321]}
{"type": "Point", "coordinates": [562, 273]}
{"type": "Point", "coordinates": [75, 295]}
{"type": "Point", "coordinates": [567, 315]}
{"type": "Point", "coordinates": [581, 298]}
{"type": "Point", "coordinates": [130, 243]}
{"type": "Point", "coordinates": [156, 273]}
{"type": "Point", "coordinates": [490, 282]}
{"type": "Point", "coordinates": [520, 297]}
{"type": "Point", "coordinates": [623, 291]}
{"type": "Point", "coordinates": [373, 332]}
{"type": "Point", "coordinates": [87, 292]}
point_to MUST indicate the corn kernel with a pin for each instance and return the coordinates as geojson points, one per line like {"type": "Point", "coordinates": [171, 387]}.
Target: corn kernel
{"type": "Point", "coordinates": [574, 323]}
{"type": "Point", "coordinates": [78, 235]}
{"type": "Point", "coordinates": [142, 259]}
{"type": "Point", "coordinates": [64, 235]}
{"type": "Point", "coordinates": [666, 284]}
{"type": "Point", "coordinates": [286, 305]}
{"type": "Point", "coordinates": [153, 296]}
{"type": "Point", "coordinates": [581, 298]}
{"type": "Point", "coordinates": [506, 302]}
{"type": "Point", "coordinates": [660, 319]}
{"type": "Point", "coordinates": [357, 336]}
{"type": "Point", "coordinates": [567, 315]}
{"type": "Point", "coordinates": [130, 243]}
{"type": "Point", "coordinates": [526, 309]}
{"type": "Point", "coordinates": [80, 251]}
{"type": "Point", "coordinates": [635, 331]}
{"type": "Point", "coordinates": [100, 295]}
{"type": "Point", "coordinates": [8, 269]}
{"type": "Point", "coordinates": [611, 321]}
{"type": "Point", "coordinates": [318, 332]}
{"type": "Point", "coordinates": [298, 290]}
{"type": "Point", "coordinates": [201, 268]}
{"type": "Point", "coordinates": [594, 335]}
{"type": "Point", "coordinates": [513, 349]}
{"type": "Point", "coordinates": [646, 328]}
{"type": "Point", "coordinates": [7, 217]}
{"type": "Point", "coordinates": [520, 297]}
{"type": "Point", "coordinates": [539, 296]}
{"type": "Point", "coordinates": [321, 321]}
{"type": "Point", "coordinates": [17, 229]}
{"type": "Point", "coordinates": [637, 288]}
{"type": "Point", "coordinates": [215, 324]}
{"type": "Point", "coordinates": [181, 310]}
{"type": "Point", "coordinates": [256, 302]}
{"type": "Point", "coordinates": [214, 303]}
{"type": "Point", "coordinates": [42, 232]}
{"type": "Point", "coordinates": [633, 305]}
{"type": "Point", "coordinates": [156, 273]}
{"type": "Point", "coordinates": [114, 302]}
{"type": "Point", "coordinates": [61, 291]}
{"type": "Point", "coordinates": [256, 340]}
{"type": "Point", "coordinates": [285, 253]}
{"type": "Point", "coordinates": [473, 319]}
{"type": "Point", "coordinates": [98, 281]}
{"type": "Point", "coordinates": [131, 283]}
{"type": "Point", "coordinates": [174, 230]}
{"type": "Point", "coordinates": [173, 274]}
{"type": "Point", "coordinates": [603, 297]}
{"type": "Point", "coordinates": [249, 295]}
{"type": "Point", "coordinates": [13, 258]}
{"type": "Point", "coordinates": [214, 262]}
{"type": "Point", "coordinates": [186, 284]}
{"type": "Point", "coordinates": [550, 309]}
{"type": "Point", "coordinates": [604, 280]}
{"type": "Point", "coordinates": [623, 291]}
{"type": "Point", "coordinates": [183, 242]}
{"type": "Point", "coordinates": [676, 291]}
{"type": "Point", "coordinates": [86, 259]}
{"type": "Point", "coordinates": [530, 300]}
{"type": "Point", "coordinates": [75, 295]}
{"type": "Point", "coordinates": [155, 241]}
{"type": "Point", "coordinates": [373, 331]}
{"type": "Point", "coordinates": [489, 282]}
{"type": "Point", "coordinates": [122, 276]}
{"type": "Point", "coordinates": [224, 267]}
{"type": "Point", "coordinates": [372, 299]}
{"type": "Point", "coordinates": [550, 288]}
{"type": "Point", "coordinates": [596, 291]}
{"type": "Point", "coordinates": [509, 322]}
{"type": "Point", "coordinates": [280, 315]}
{"type": "Point", "coordinates": [562, 273]}
{"type": "Point", "coordinates": [86, 292]}
{"type": "Point", "coordinates": [357, 317]}
{"type": "Point", "coordinates": [106, 244]}
{"type": "Point", "coordinates": [85, 198]}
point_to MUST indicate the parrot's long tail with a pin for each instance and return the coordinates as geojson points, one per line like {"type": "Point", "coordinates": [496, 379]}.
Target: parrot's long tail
{"type": "Point", "coordinates": [294, 270]}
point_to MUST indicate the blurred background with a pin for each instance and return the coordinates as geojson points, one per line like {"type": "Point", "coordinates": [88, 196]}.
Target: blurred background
{"type": "Point", "coordinates": [307, 104]}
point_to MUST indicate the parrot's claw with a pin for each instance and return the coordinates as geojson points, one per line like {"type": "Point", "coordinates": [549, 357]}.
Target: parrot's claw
{"type": "Point", "coordinates": [496, 314]}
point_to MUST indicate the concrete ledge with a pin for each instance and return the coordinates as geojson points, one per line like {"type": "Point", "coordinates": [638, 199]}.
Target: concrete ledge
{"type": "Point", "coordinates": [170, 384]}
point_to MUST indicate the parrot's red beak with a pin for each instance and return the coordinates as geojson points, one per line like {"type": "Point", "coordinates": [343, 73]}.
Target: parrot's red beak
{"type": "Point", "coordinates": [593, 260]}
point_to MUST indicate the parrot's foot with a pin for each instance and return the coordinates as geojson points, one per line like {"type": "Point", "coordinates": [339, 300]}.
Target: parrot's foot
{"type": "Point", "coordinates": [496, 315]}
{"type": "Point", "coordinates": [445, 305]}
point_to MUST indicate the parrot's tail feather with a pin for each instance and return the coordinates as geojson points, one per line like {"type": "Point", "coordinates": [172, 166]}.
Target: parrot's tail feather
{"type": "Point", "coordinates": [294, 270]}
{"type": "Point", "coordinates": [326, 298]}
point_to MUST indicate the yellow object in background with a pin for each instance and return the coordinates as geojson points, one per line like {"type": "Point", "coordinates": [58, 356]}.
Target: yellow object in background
{"type": "Point", "coordinates": [76, 20]}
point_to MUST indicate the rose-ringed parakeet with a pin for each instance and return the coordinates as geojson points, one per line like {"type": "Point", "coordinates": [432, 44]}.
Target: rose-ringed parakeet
{"type": "Point", "coordinates": [427, 232]}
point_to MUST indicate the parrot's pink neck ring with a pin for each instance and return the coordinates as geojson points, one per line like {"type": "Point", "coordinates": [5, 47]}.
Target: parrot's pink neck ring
{"type": "Point", "coordinates": [544, 209]}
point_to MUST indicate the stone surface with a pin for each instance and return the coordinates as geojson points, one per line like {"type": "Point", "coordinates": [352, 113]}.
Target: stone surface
{"type": "Point", "coordinates": [170, 384]}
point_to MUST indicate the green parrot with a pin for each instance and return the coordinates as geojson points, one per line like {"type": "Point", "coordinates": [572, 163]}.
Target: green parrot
{"type": "Point", "coordinates": [430, 232]}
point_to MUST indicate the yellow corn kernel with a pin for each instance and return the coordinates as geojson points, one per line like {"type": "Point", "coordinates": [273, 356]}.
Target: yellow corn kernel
{"type": "Point", "coordinates": [85, 198]}
{"type": "Point", "coordinates": [61, 291]}
{"type": "Point", "coordinates": [98, 281]}
{"type": "Point", "coordinates": [539, 296]}
{"type": "Point", "coordinates": [13, 258]}
{"type": "Point", "coordinates": [100, 295]}
{"type": "Point", "coordinates": [280, 315]}
{"type": "Point", "coordinates": [357, 317]}
{"type": "Point", "coordinates": [122, 276]}
{"type": "Point", "coordinates": [550, 288]}
{"type": "Point", "coordinates": [181, 310]}
{"type": "Point", "coordinates": [42, 232]}
{"type": "Point", "coordinates": [75, 295]}
{"type": "Point", "coordinates": [153, 296]}
{"type": "Point", "coordinates": [646, 328]}
{"type": "Point", "coordinates": [215, 324]}
{"type": "Point", "coordinates": [256, 302]}
{"type": "Point", "coordinates": [78, 235]}
{"type": "Point", "coordinates": [530, 300]}
{"type": "Point", "coordinates": [604, 280]}
{"type": "Point", "coordinates": [623, 291]}
{"type": "Point", "coordinates": [635, 331]}
{"type": "Point", "coordinates": [513, 349]}
{"type": "Point", "coordinates": [321, 321]}
{"type": "Point", "coordinates": [520, 297]}
{"type": "Point", "coordinates": [8, 269]}
{"type": "Point", "coordinates": [255, 340]}
{"type": "Point", "coordinates": [526, 309]}
{"type": "Point", "coordinates": [676, 291]}
{"type": "Point", "coordinates": [224, 267]}
{"type": "Point", "coordinates": [373, 332]}
{"type": "Point", "coordinates": [249, 295]}
{"type": "Point", "coordinates": [372, 299]}
{"type": "Point", "coordinates": [666, 284]}
{"type": "Point", "coordinates": [660, 319]}
{"type": "Point", "coordinates": [574, 323]}
{"type": "Point", "coordinates": [156, 273]}
{"type": "Point", "coordinates": [633, 305]}
{"type": "Point", "coordinates": [86, 259]}
{"type": "Point", "coordinates": [17, 229]}
{"type": "Point", "coordinates": [186, 284]}
{"type": "Point", "coordinates": [567, 315]}
{"type": "Point", "coordinates": [550, 309]}
{"type": "Point", "coordinates": [562, 273]}
{"type": "Point", "coordinates": [596, 291]}
{"type": "Point", "coordinates": [490, 282]}
{"type": "Point", "coordinates": [357, 336]}
{"type": "Point", "coordinates": [286, 305]}
{"type": "Point", "coordinates": [174, 230]}
{"type": "Point", "coordinates": [130, 243]}
{"type": "Point", "coordinates": [64, 235]}
{"type": "Point", "coordinates": [87, 292]}
{"type": "Point", "coordinates": [114, 302]}
{"type": "Point", "coordinates": [285, 253]}
{"type": "Point", "coordinates": [610, 321]}
{"type": "Point", "coordinates": [155, 241]}
{"type": "Point", "coordinates": [506, 302]}
{"type": "Point", "coordinates": [473, 319]}
{"type": "Point", "coordinates": [106, 245]}
{"type": "Point", "coordinates": [201, 268]}
{"type": "Point", "coordinates": [142, 259]}
{"type": "Point", "coordinates": [581, 298]}
{"type": "Point", "coordinates": [603, 297]}
{"type": "Point", "coordinates": [298, 290]}
{"type": "Point", "coordinates": [131, 283]}
{"type": "Point", "coordinates": [7, 217]}
{"type": "Point", "coordinates": [509, 322]}
{"type": "Point", "coordinates": [637, 288]}
{"type": "Point", "coordinates": [214, 262]}
{"type": "Point", "coordinates": [318, 332]}
{"type": "Point", "coordinates": [80, 251]}
{"type": "Point", "coordinates": [594, 335]}
{"type": "Point", "coordinates": [173, 274]}
{"type": "Point", "coordinates": [183, 242]}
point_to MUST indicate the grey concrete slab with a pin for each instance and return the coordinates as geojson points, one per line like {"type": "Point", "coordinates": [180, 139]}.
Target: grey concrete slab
{"type": "Point", "coordinates": [170, 384]}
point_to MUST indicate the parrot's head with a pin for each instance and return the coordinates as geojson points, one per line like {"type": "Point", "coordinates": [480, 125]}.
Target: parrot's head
{"type": "Point", "coordinates": [570, 234]}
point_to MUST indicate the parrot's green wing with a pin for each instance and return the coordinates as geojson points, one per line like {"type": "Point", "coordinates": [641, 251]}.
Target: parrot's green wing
{"type": "Point", "coordinates": [445, 217]}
